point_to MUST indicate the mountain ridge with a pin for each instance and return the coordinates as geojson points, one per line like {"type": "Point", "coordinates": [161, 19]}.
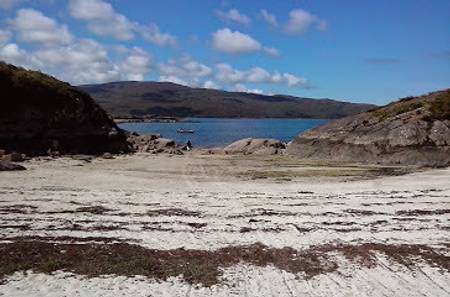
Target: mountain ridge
{"type": "Point", "coordinates": [132, 98]}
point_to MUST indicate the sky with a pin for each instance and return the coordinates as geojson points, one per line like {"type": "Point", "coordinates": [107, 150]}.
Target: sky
{"type": "Point", "coordinates": [352, 50]}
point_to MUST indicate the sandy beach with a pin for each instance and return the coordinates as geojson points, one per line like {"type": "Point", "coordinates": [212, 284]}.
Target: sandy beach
{"type": "Point", "coordinates": [267, 225]}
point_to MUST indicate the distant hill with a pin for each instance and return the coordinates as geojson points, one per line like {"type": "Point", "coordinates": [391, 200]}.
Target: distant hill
{"type": "Point", "coordinates": [40, 114]}
{"type": "Point", "coordinates": [413, 130]}
{"type": "Point", "coordinates": [124, 99]}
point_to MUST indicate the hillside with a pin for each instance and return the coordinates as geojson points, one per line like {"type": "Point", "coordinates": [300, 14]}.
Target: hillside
{"type": "Point", "coordinates": [124, 99]}
{"type": "Point", "coordinates": [40, 114]}
{"type": "Point", "coordinates": [413, 130]}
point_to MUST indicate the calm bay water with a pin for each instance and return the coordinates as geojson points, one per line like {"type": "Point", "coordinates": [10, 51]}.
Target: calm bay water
{"type": "Point", "coordinates": [212, 132]}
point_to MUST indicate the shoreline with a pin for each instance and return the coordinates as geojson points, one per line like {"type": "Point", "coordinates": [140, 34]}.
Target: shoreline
{"type": "Point", "coordinates": [239, 213]}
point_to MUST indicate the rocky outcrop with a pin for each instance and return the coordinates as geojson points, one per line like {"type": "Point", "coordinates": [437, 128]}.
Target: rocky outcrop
{"type": "Point", "coordinates": [256, 146]}
{"type": "Point", "coordinates": [40, 115]}
{"type": "Point", "coordinates": [412, 131]}
{"type": "Point", "coordinates": [154, 144]}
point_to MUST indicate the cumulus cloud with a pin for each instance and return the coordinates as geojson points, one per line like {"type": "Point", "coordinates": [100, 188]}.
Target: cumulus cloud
{"type": "Point", "coordinates": [154, 35]}
{"type": "Point", "coordinates": [243, 88]}
{"type": "Point", "coordinates": [226, 73]}
{"type": "Point", "coordinates": [234, 42]}
{"type": "Point", "coordinates": [12, 53]}
{"type": "Point", "coordinates": [237, 43]}
{"type": "Point", "coordinates": [136, 64]}
{"type": "Point", "coordinates": [209, 84]}
{"type": "Point", "coordinates": [103, 20]}
{"type": "Point", "coordinates": [271, 51]}
{"type": "Point", "coordinates": [32, 26]}
{"type": "Point", "coordinates": [300, 21]}
{"type": "Point", "coordinates": [233, 15]}
{"type": "Point", "coordinates": [83, 61]}
{"type": "Point", "coordinates": [269, 18]}
{"type": "Point", "coordinates": [185, 71]}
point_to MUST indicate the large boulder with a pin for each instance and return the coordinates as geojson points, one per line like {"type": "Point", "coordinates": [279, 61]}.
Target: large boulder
{"type": "Point", "coordinates": [40, 114]}
{"type": "Point", "coordinates": [256, 146]}
{"type": "Point", "coordinates": [412, 131]}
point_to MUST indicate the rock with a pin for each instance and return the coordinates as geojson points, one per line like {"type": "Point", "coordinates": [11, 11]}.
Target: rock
{"type": "Point", "coordinates": [42, 113]}
{"type": "Point", "coordinates": [2, 153]}
{"type": "Point", "coordinates": [8, 166]}
{"type": "Point", "coordinates": [413, 131]}
{"type": "Point", "coordinates": [164, 143]}
{"type": "Point", "coordinates": [258, 146]}
{"type": "Point", "coordinates": [85, 158]}
{"type": "Point", "coordinates": [440, 134]}
{"type": "Point", "coordinates": [108, 156]}
{"type": "Point", "coordinates": [14, 157]}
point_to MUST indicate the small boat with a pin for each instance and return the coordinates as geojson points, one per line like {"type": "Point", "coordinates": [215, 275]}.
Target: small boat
{"type": "Point", "coordinates": [185, 131]}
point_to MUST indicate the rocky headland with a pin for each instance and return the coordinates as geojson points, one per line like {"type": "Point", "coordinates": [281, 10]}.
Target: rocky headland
{"type": "Point", "coordinates": [411, 131]}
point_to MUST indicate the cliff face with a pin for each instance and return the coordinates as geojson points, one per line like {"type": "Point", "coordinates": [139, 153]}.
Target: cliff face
{"type": "Point", "coordinates": [40, 113]}
{"type": "Point", "coordinates": [414, 130]}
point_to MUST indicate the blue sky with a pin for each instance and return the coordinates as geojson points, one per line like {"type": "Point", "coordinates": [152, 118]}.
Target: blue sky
{"type": "Point", "coordinates": [360, 51]}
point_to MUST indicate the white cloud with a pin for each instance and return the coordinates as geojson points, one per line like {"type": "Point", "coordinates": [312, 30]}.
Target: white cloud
{"type": "Point", "coordinates": [243, 88]}
{"type": "Point", "coordinates": [234, 42]}
{"type": "Point", "coordinates": [300, 21]}
{"type": "Point", "coordinates": [153, 34]}
{"type": "Point", "coordinates": [136, 65]}
{"type": "Point", "coordinates": [209, 84]}
{"type": "Point", "coordinates": [83, 61]}
{"type": "Point", "coordinates": [269, 18]}
{"type": "Point", "coordinates": [5, 36]}
{"type": "Point", "coordinates": [103, 20]}
{"type": "Point", "coordinates": [233, 15]}
{"type": "Point", "coordinates": [11, 53]}
{"type": "Point", "coordinates": [7, 4]}
{"type": "Point", "coordinates": [184, 70]}
{"type": "Point", "coordinates": [228, 74]}
{"type": "Point", "coordinates": [32, 26]}
{"type": "Point", "coordinates": [271, 51]}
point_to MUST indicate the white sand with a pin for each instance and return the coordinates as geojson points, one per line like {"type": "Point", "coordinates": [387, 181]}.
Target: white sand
{"type": "Point", "coordinates": [300, 213]}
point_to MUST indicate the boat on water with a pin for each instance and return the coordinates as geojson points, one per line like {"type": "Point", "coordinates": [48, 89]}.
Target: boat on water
{"type": "Point", "coordinates": [185, 131]}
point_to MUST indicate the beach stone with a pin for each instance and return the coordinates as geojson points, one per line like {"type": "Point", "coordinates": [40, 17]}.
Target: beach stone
{"type": "Point", "coordinates": [108, 156]}
{"type": "Point", "coordinates": [8, 166]}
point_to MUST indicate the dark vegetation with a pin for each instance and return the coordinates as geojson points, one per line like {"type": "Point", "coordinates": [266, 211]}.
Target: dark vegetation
{"type": "Point", "coordinates": [125, 99]}
{"type": "Point", "coordinates": [199, 266]}
{"type": "Point", "coordinates": [40, 113]}
{"type": "Point", "coordinates": [440, 107]}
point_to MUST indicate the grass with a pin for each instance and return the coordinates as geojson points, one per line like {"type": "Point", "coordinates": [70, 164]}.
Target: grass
{"type": "Point", "coordinates": [440, 107]}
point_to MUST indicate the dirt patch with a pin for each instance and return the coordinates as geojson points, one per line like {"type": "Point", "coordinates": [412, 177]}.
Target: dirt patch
{"type": "Point", "coordinates": [198, 266]}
